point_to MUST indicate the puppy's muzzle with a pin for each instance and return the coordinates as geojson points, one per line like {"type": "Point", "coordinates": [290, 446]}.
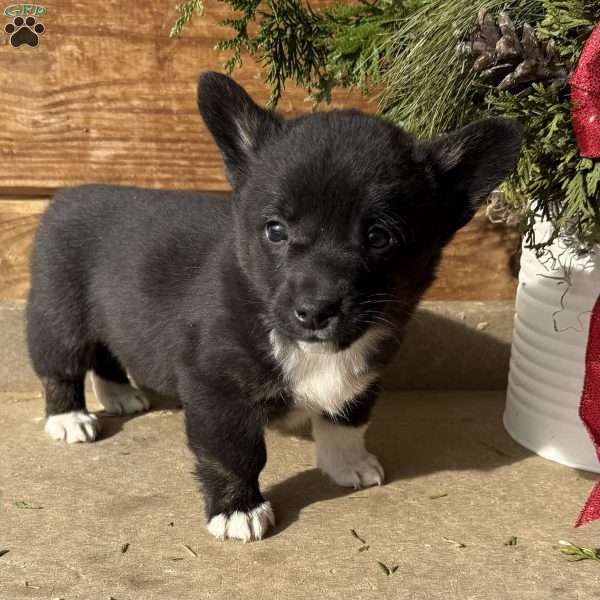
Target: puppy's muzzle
{"type": "Point", "coordinates": [317, 314]}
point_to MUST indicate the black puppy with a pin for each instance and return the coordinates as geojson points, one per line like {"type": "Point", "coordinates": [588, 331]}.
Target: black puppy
{"type": "Point", "coordinates": [281, 304]}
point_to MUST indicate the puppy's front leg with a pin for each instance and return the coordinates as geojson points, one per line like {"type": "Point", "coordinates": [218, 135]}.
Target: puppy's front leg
{"type": "Point", "coordinates": [340, 441]}
{"type": "Point", "coordinates": [227, 439]}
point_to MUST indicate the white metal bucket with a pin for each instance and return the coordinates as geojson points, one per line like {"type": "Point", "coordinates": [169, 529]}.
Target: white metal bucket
{"type": "Point", "coordinates": [555, 298]}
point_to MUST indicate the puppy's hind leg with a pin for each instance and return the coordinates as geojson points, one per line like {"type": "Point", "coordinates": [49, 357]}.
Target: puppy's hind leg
{"type": "Point", "coordinates": [112, 387]}
{"type": "Point", "coordinates": [60, 356]}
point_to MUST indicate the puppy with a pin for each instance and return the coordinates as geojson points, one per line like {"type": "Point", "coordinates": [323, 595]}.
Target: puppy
{"type": "Point", "coordinates": [282, 303]}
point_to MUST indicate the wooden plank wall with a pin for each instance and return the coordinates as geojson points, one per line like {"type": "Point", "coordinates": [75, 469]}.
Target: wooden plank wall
{"type": "Point", "coordinates": [109, 97]}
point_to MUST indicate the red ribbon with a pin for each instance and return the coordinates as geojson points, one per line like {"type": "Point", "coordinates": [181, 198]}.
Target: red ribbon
{"type": "Point", "coordinates": [585, 97]}
{"type": "Point", "coordinates": [589, 408]}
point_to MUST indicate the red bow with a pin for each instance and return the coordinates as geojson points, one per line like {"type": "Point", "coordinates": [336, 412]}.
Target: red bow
{"type": "Point", "coordinates": [589, 409]}
{"type": "Point", "coordinates": [585, 97]}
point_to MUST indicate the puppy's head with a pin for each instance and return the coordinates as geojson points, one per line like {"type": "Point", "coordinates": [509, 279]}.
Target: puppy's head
{"type": "Point", "coordinates": [340, 217]}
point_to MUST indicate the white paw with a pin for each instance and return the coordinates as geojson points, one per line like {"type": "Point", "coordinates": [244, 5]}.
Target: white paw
{"type": "Point", "coordinates": [245, 526]}
{"type": "Point", "coordinates": [76, 426]}
{"type": "Point", "coordinates": [351, 467]}
{"type": "Point", "coordinates": [342, 455]}
{"type": "Point", "coordinates": [118, 398]}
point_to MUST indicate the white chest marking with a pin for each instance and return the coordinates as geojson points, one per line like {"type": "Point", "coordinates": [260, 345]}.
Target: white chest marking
{"type": "Point", "coordinates": [320, 377]}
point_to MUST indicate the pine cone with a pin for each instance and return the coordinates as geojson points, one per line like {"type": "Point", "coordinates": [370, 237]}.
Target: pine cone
{"type": "Point", "coordinates": [502, 59]}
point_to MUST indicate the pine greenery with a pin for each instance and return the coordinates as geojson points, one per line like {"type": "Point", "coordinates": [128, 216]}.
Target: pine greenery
{"type": "Point", "coordinates": [552, 180]}
{"type": "Point", "coordinates": [406, 51]}
{"type": "Point", "coordinates": [186, 12]}
{"type": "Point", "coordinates": [429, 88]}
{"type": "Point", "coordinates": [345, 45]}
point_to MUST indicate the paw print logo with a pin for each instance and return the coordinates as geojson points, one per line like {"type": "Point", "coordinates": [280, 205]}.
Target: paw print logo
{"type": "Point", "coordinates": [24, 31]}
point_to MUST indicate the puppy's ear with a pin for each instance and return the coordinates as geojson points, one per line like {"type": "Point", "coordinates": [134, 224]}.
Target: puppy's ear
{"type": "Point", "coordinates": [470, 162]}
{"type": "Point", "coordinates": [238, 125]}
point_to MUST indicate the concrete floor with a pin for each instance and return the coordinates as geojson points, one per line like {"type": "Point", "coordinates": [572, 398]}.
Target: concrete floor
{"type": "Point", "coordinates": [457, 489]}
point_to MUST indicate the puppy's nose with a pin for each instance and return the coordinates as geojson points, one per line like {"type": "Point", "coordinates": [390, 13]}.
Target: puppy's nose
{"type": "Point", "coordinates": [316, 314]}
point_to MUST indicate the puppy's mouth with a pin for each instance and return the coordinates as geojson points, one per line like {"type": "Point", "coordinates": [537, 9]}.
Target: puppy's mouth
{"type": "Point", "coordinates": [336, 336]}
{"type": "Point", "coordinates": [316, 337]}
{"type": "Point", "coordinates": [328, 334]}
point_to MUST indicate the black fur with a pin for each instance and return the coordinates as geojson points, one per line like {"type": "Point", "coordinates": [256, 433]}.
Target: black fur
{"type": "Point", "coordinates": [182, 289]}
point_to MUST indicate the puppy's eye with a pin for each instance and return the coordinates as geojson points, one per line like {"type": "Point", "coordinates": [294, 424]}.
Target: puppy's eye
{"type": "Point", "coordinates": [276, 232]}
{"type": "Point", "coordinates": [379, 238]}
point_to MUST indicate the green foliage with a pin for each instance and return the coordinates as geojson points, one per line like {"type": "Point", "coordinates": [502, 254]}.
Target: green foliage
{"type": "Point", "coordinates": [359, 47]}
{"type": "Point", "coordinates": [288, 45]}
{"type": "Point", "coordinates": [552, 180]}
{"type": "Point", "coordinates": [576, 553]}
{"type": "Point", "coordinates": [344, 45]}
{"type": "Point", "coordinates": [563, 21]}
{"type": "Point", "coordinates": [186, 12]}
{"type": "Point", "coordinates": [241, 41]}
{"type": "Point", "coordinates": [428, 89]}
{"type": "Point", "coordinates": [408, 48]}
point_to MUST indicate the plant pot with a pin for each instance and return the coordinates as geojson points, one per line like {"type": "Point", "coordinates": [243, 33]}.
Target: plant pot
{"type": "Point", "coordinates": [555, 297]}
